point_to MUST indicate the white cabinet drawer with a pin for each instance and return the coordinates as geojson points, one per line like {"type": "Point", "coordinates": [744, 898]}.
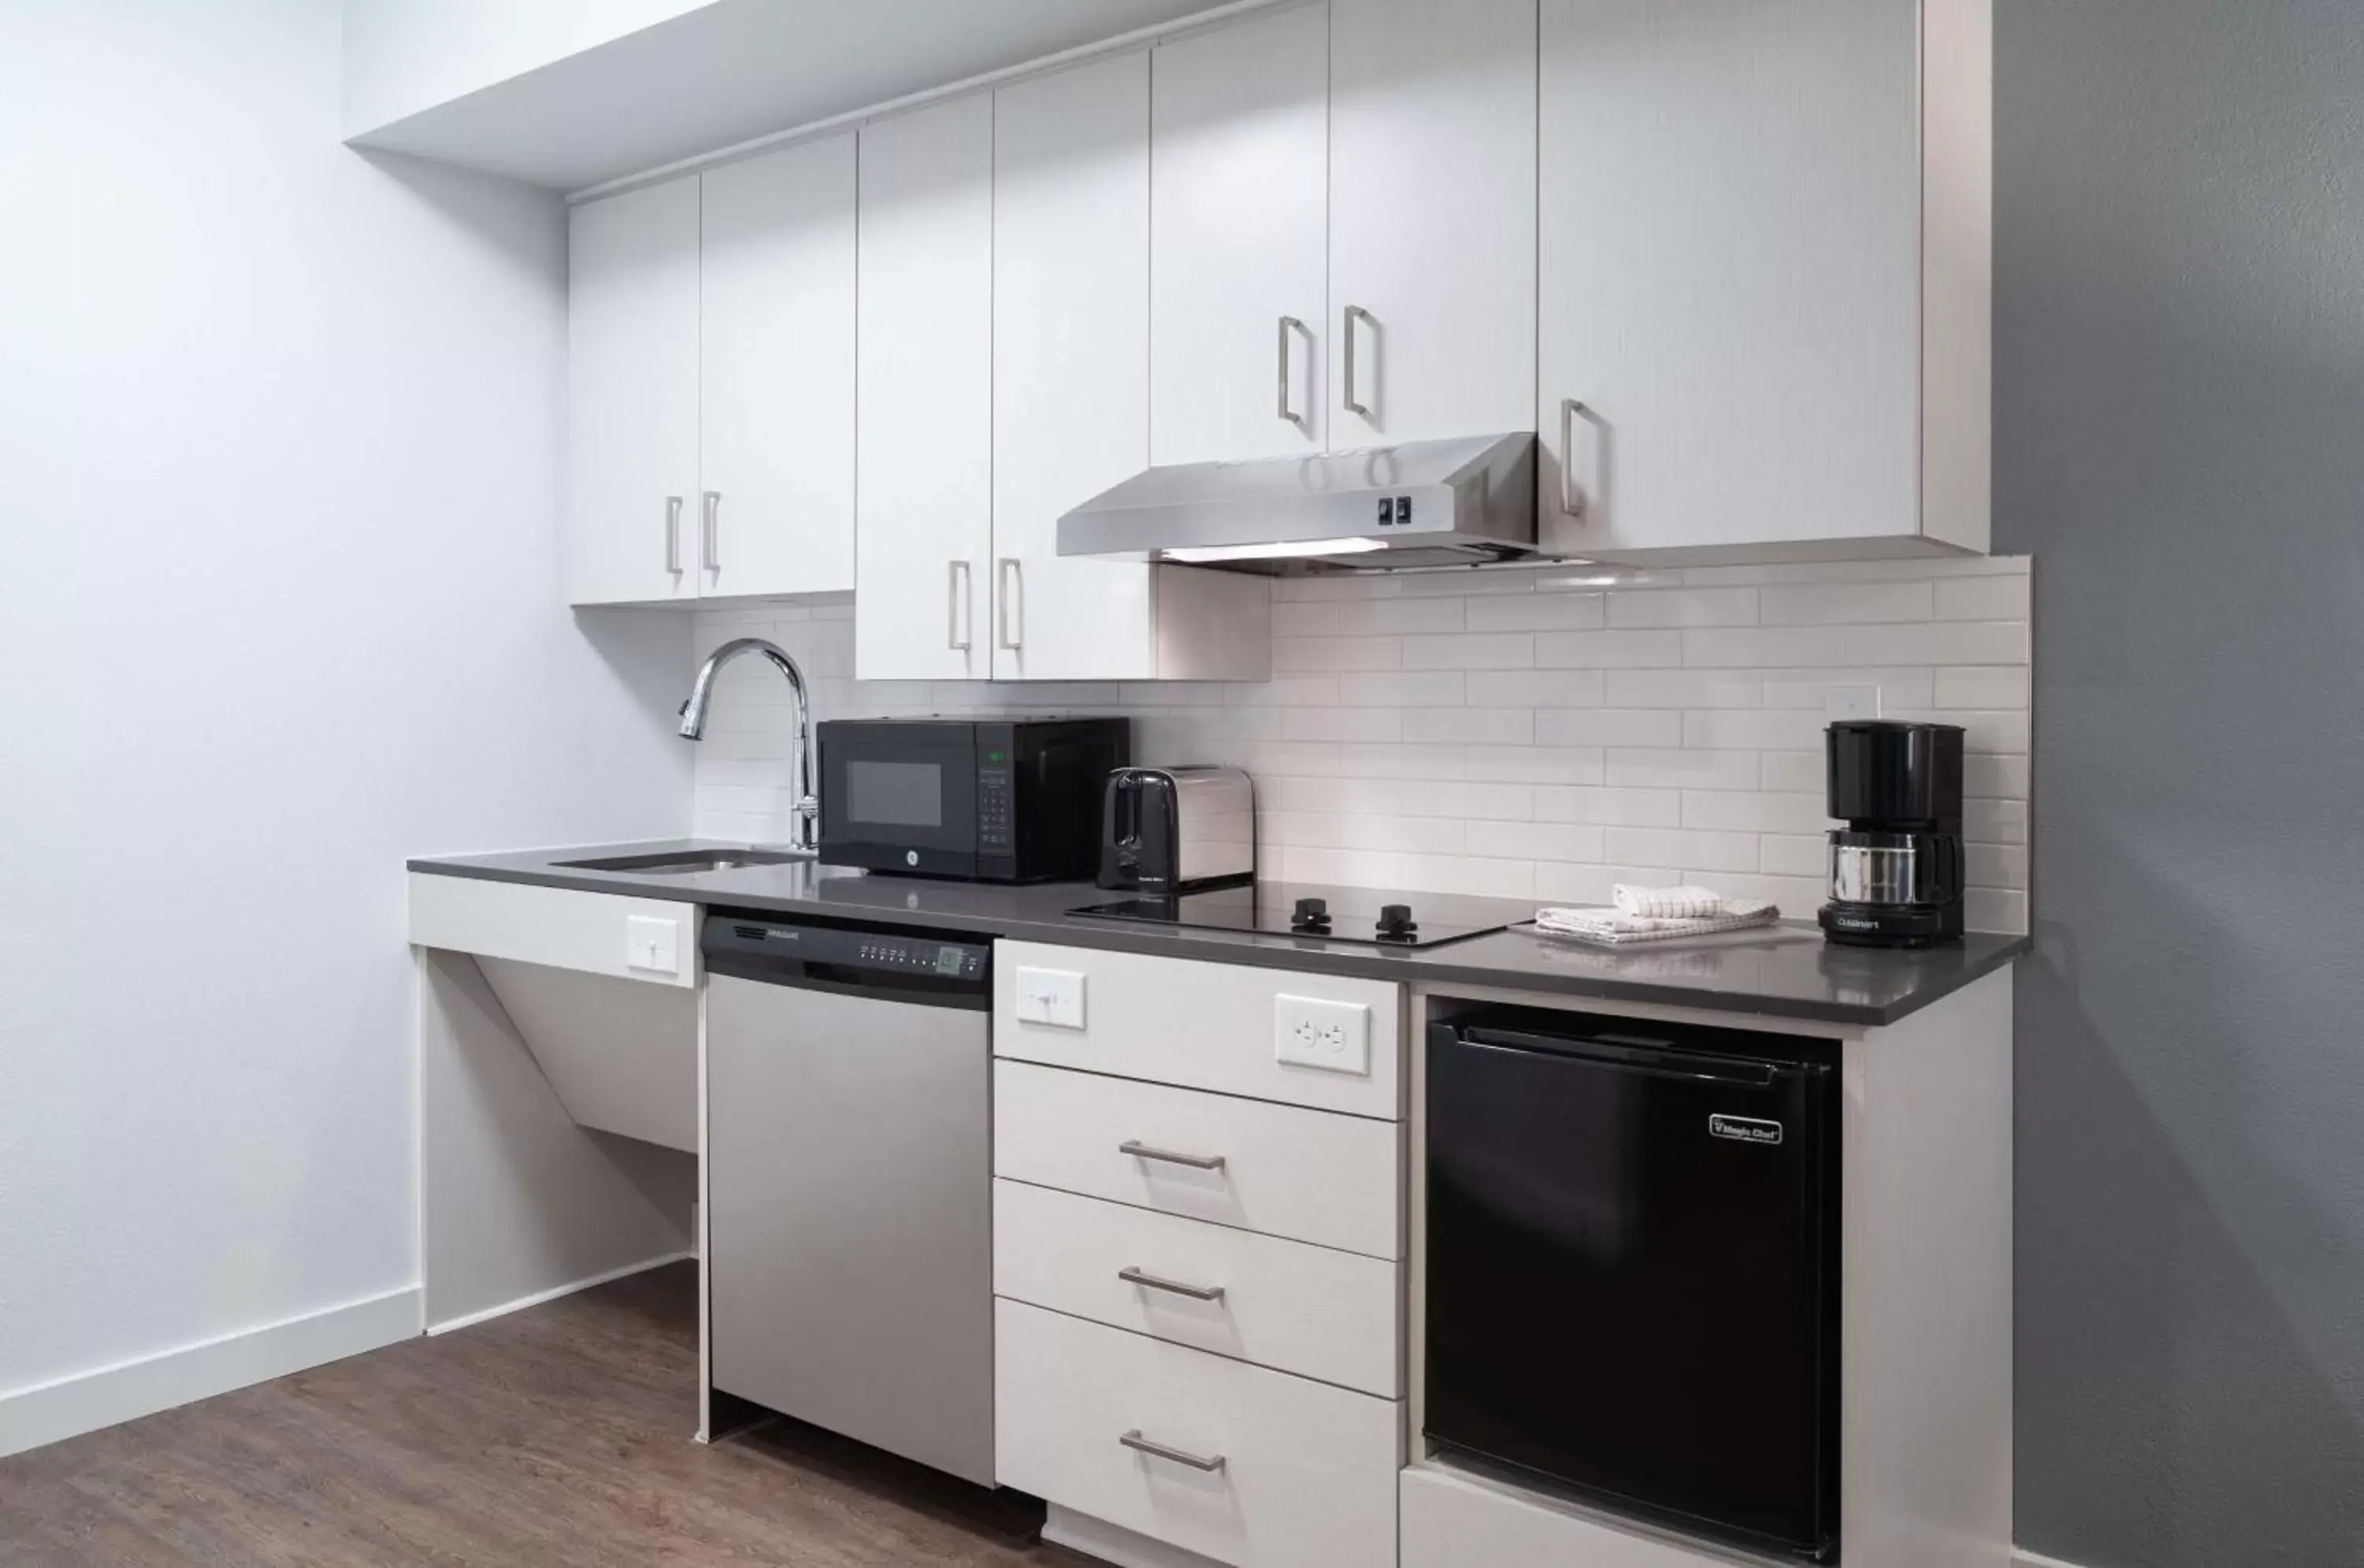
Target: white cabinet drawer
{"type": "Point", "coordinates": [597, 933]}
{"type": "Point", "coordinates": [1301, 1308]}
{"type": "Point", "coordinates": [1308, 1477]}
{"type": "Point", "coordinates": [1304, 1174]}
{"type": "Point", "coordinates": [1205, 1026]}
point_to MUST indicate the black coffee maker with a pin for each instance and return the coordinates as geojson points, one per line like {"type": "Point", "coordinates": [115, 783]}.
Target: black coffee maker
{"type": "Point", "coordinates": [1896, 867]}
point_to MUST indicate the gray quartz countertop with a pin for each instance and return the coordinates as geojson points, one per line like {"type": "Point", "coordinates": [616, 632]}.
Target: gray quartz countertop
{"type": "Point", "coordinates": [1785, 971]}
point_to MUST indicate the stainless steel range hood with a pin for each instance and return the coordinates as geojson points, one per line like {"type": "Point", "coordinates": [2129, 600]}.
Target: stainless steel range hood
{"type": "Point", "coordinates": [1452, 503]}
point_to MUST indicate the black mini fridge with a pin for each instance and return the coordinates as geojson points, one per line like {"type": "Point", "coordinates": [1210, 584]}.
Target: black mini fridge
{"type": "Point", "coordinates": [1632, 1267]}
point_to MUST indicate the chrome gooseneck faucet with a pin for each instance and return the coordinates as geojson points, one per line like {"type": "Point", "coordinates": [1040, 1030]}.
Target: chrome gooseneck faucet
{"type": "Point", "coordinates": [693, 723]}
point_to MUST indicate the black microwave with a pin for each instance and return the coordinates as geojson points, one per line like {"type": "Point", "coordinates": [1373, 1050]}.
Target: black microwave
{"type": "Point", "coordinates": [980, 800]}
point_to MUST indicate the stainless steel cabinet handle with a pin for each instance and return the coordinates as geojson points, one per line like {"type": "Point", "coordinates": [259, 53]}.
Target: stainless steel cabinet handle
{"type": "Point", "coordinates": [1012, 631]}
{"type": "Point", "coordinates": [1290, 324]}
{"type": "Point", "coordinates": [955, 611]}
{"type": "Point", "coordinates": [1133, 1440]}
{"type": "Point", "coordinates": [710, 540]}
{"type": "Point", "coordinates": [1347, 327]}
{"type": "Point", "coordinates": [673, 533]}
{"type": "Point", "coordinates": [1140, 1151]}
{"type": "Point", "coordinates": [1172, 1287]}
{"type": "Point", "coordinates": [1569, 501]}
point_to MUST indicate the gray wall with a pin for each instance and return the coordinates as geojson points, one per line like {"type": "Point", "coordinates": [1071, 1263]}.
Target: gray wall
{"type": "Point", "coordinates": [2180, 442]}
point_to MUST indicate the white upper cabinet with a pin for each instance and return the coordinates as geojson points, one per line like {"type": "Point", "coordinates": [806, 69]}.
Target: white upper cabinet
{"type": "Point", "coordinates": [1239, 197]}
{"type": "Point", "coordinates": [1071, 356]}
{"type": "Point", "coordinates": [1751, 341]}
{"type": "Point", "coordinates": [1432, 220]}
{"type": "Point", "coordinates": [924, 531]}
{"type": "Point", "coordinates": [777, 363]}
{"type": "Point", "coordinates": [632, 396]}
{"type": "Point", "coordinates": [711, 376]}
{"type": "Point", "coordinates": [1070, 364]}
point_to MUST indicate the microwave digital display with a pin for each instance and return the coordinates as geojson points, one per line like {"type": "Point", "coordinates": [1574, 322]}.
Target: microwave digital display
{"type": "Point", "coordinates": [896, 795]}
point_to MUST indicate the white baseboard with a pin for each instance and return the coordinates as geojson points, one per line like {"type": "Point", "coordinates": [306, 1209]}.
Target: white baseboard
{"type": "Point", "coordinates": [556, 1291]}
{"type": "Point", "coordinates": [2023, 1558]}
{"type": "Point", "coordinates": [1114, 1543]}
{"type": "Point", "coordinates": [69, 1407]}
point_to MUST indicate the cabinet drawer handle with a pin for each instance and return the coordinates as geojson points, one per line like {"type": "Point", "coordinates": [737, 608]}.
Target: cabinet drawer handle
{"type": "Point", "coordinates": [1140, 1151]}
{"type": "Point", "coordinates": [709, 541]}
{"type": "Point", "coordinates": [1346, 328]}
{"type": "Point", "coordinates": [673, 534]}
{"type": "Point", "coordinates": [1290, 324]}
{"type": "Point", "coordinates": [1138, 1445]}
{"type": "Point", "coordinates": [1569, 501]}
{"type": "Point", "coordinates": [1172, 1287]}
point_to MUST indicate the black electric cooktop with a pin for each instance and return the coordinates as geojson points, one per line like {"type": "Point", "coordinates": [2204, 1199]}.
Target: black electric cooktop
{"type": "Point", "coordinates": [1325, 914]}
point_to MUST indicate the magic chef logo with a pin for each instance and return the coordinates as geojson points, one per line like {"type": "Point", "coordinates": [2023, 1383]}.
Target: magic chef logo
{"type": "Point", "coordinates": [1745, 1129]}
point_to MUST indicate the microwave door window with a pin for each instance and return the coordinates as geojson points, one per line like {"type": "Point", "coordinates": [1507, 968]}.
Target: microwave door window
{"type": "Point", "coordinates": [895, 795]}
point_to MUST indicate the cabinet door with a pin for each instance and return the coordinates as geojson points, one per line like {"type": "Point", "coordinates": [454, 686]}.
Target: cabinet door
{"type": "Point", "coordinates": [1238, 148]}
{"type": "Point", "coordinates": [924, 491]}
{"type": "Point", "coordinates": [631, 429]}
{"type": "Point", "coordinates": [1730, 240]}
{"type": "Point", "coordinates": [1070, 364]}
{"type": "Point", "coordinates": [777, 370]}
{"type": "Point", "coordinates": [1432, 220]}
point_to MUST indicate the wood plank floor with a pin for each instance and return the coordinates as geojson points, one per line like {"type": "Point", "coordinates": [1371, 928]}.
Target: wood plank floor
{"type": "Point", "coordinates": [556, 1435]}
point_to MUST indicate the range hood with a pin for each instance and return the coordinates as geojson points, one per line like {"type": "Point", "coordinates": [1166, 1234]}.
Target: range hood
{"type": "Point", "coordinates": [1451, 503]}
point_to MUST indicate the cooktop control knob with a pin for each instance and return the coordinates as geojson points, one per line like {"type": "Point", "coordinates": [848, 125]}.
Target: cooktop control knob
{"type": "Point", "coordinates": [1313, 916]}
{"type": "Point", "coordinates": [1396, 924]}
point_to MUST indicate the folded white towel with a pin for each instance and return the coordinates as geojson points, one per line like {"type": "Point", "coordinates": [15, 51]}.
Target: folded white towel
{"type": "Point", "coordinates": [1671, 903]}
{"type": "Point", "coordinates": [1615, 927]}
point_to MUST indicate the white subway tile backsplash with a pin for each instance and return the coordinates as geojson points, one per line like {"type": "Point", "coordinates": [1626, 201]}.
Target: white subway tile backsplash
{"type": "Point", "coordinates": [1536, 764]}
{"type": "Point", "coordinates": [1984, 598]}
{"type": "Point", "coordinates": [1537, 688]}
{"type": "Point", "coordinates": [1541, 733]}
{"type": "Point", "coordinates": [1610, 808]}
{"type": "Point", "coordinates": [1608, 650]}
{"type": "Point", "coordinates": [1846, 604]}
{"type": "Point", "coordinates": [1609, 727]}
{"type": "Point", "coordinates": [1989, 686]}
{"type": "Point", "coordinates": [1470, 726]}
{"type": "Point", "coordinates": [1536, 612]}
{"type": "Point", "coordinates": [1764, 647]}
{"type": "Point", "coordinates": [1684, 606]}
{"type": "Point", "coordinates": [1471, 650]}
{"type": "Point", "coordinates": [1297, 655]}
{"type": "Point", "coordinates": [1417, 688]}
{"type": "Point", "coordinates": [1692, 850]}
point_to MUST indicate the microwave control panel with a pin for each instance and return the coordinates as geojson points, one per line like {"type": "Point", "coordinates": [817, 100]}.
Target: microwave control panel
{"type": "Point", "coordinates": [995, 784]}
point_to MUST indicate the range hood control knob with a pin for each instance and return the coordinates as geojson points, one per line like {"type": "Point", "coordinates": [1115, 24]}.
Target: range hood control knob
{"type": "Point", "coordinates": [1396, 924]}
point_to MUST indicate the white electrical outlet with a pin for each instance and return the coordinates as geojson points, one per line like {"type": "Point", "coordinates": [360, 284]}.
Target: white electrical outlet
{"type": "Point", "coordinates": [1053, 996]}
{"type": "Point", "coordinates": [1841, 701]}
{"type": "Point", "coordinates": [1309, 1031]}
{"type": "Point", "coordinates": [653, 943]}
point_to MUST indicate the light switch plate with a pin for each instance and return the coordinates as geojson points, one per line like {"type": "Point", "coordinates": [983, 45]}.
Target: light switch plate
{"type": "Point", "coordinates": [1053, 996]}
{"type": "Point", "coordinates": [1311, 1032]}
{"type": "Point", "coordinates": [653, 942]}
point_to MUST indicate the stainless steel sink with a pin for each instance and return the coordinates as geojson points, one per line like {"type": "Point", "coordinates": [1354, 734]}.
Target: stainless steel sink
{"type": "Point", "coordinates": [688, 862]}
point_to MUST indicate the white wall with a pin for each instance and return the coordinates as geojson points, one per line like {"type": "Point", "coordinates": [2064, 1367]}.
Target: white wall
{"type": "Point", "coordinates": [1533, 734]}
{"type": "Point", "coordinates": [402, 56]}
{"type": "Point", "coordinates": [279, 431]}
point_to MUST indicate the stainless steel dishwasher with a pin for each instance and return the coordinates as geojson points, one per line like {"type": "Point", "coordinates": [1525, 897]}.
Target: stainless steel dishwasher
{"type": "Point", "coordinates": [850, 1185]}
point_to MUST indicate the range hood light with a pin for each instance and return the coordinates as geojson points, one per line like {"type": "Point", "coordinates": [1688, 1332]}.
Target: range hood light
{"type": "Point", "coordinates": [1286, 550]}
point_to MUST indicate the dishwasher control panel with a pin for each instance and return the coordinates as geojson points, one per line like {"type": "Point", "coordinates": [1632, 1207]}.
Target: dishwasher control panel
{"type": "Point", "coordinates": [789, 951]}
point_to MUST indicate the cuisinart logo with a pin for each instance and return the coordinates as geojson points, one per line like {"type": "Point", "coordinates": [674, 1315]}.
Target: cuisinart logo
{"type": "Point", "coordinates": [1745, 1129]}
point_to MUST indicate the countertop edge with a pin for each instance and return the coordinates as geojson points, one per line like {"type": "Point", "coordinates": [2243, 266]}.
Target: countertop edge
{"type": "Point", "coordinates": [1433, 968]}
